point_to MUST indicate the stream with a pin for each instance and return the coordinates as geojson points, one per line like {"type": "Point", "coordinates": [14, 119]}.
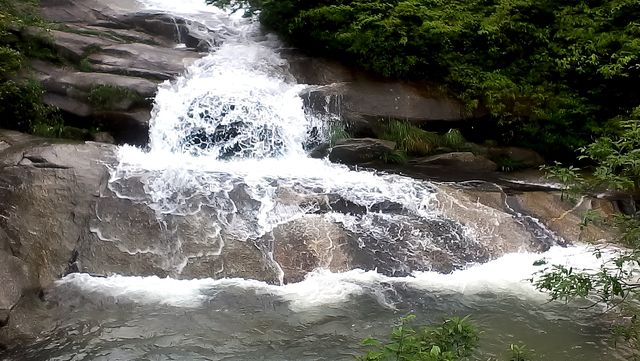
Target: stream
{"type": "Point", "coordinates": [228, 165]}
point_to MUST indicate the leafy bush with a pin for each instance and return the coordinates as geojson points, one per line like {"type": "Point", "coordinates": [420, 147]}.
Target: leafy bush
{"type": "Point", "coordinates": [22, 109]}
{"type": "Point", "coordinates": [21, 103]}
{"type": "Point", "coordinates": [453, 339]}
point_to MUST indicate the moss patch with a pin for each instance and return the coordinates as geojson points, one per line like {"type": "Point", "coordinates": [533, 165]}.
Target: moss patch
{"type": "Point", "coordinates": [109, 97]}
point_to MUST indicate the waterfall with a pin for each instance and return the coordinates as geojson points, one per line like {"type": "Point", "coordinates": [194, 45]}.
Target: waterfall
{"type": "Point", "coordinates": [233, 244]}
{"type": "Point", "coordinates": [231, 135]}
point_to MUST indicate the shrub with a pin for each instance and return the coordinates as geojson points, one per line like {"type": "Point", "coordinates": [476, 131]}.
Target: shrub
{"type": "Point", "coordinates": [453, 339]}
{"type": "Point", "coordinates": [410, 139]}
{"type": "Point", "coordinates": [21, 103]}
{"type": "Point", "coordinates": [22, 109]}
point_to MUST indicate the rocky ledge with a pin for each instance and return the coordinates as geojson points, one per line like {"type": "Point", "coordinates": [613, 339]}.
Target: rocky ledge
{"type": "Point", "coordinates": [112, 56]}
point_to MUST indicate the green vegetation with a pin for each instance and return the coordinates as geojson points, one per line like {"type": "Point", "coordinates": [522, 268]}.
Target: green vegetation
{"type": "Point", "coordinates": [552, 73]}
{"type": "Point", "coordinates": [454, 339]}
{"type": "Point", "coordinates": [615, 283]}
{"type": "Point", "coordinates": [106, 97]}
{"type": "Point", "coordinates": [411, 140]}
{"type": "Point", "coordinates": [21, 109]}
{"type": "Point", "coordinates": [21, 106]}
{"type": "Point", "coordinates": [336, 133]}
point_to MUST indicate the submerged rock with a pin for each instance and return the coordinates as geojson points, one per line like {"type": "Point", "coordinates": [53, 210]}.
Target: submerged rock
{"type": "Point", "coordinates": [309, 243]}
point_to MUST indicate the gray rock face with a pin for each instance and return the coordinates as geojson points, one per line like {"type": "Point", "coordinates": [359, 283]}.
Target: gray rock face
{"type": "Point", "coordinates": [47, 192]}
{"type": "Point", "coordinates": [142, 60]}
{"type": "Point", "coordinates": [363, 103]}
{"type": "Point", "coordinates": [308, 243]}
{"type": "Point", "coordinates": [15, 280]}
{"type": "Point", "coordinates": [360, 150]}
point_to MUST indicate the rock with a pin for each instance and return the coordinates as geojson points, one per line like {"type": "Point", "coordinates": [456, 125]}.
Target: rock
{"type": "Point", "coordinates": [379, 99]}
{"type": "Point", "coordinates": [311, 242]}
{"type": "Point", "coordinates": [316, 71]}
{"type": "Point", "coordinates": [103, 137]}
{"type": "Point", "coordinates": [360, 150]}
{"type": "Point", "coordinates": [68, 105]}
{"type": "Point", "coordinates": [116, 45]}
{"type": "Point", "coordinates": [565, 219]}
{"type": "Point", "coordinates": [142, 60]}
{"type": "Point", "coordinates": [524, 157]}
{"type": "Point", "coordinates": [48, 191]}
{"type": "Point", "coordinates": [85, 11]}
{"type": "Point", "coordinates": [495, 228]}
{"type": "Point", "coordinates": [127, 237]}
{"type": "Point", "coordinates": [27, 320]}
{"type": "Point", "coordinates": [75, 133]}
{"type": "Point", "coordinates": [466, 161]}
{"type": "Point", "coordinates": [320, 151]}
{"type": "Point", "coordinates": [173, 28]}
{"type": "Point", "coordinates": [74, 84]}
{"type": "Point", "coordinates": [127, 119]}
{"type": "Point", "coordinates": [5, 242]}
{"type": "Point", "coordinates": [15, 280]}
{"type": "Point", "coordinates": [75, 46]}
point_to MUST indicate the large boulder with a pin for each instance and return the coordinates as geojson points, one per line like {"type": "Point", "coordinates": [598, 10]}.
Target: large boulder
{"type": "Point", "coordinates": [354, 151]}
{"type": "Point", "coordinates": [317, 71]}
{"type": "Point", "coordinates": [566, 219]}
{"type": "Point", "coordinates": [47, 192]}
{"type": "Point", "coordinates": [308, 243]}
{"type": "Point", "coordinates": [364, 102]}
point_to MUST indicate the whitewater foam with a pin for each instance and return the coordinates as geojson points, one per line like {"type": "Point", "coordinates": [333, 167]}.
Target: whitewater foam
{"type": "Point", "coordinates": [509, 275]}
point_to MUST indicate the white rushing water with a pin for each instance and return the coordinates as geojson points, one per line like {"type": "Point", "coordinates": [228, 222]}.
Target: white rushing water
{"type": "Point", "coordinates": [507, 275]}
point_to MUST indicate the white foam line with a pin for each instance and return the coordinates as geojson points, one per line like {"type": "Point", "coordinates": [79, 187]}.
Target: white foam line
{"type": "Point", "coordinates": [507, 275]}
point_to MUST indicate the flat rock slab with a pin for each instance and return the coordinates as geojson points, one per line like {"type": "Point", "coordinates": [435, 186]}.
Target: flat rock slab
{"type": "Point", "coordinates": [143, 60]}
{"type": "Point", "coordinates": [466, 161]}
{"type": "Point", "coordinates": [360, 150]}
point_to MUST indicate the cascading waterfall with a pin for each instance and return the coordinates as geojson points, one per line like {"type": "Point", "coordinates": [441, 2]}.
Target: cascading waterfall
{"type": "Point", "coordinates": [228, 162]}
